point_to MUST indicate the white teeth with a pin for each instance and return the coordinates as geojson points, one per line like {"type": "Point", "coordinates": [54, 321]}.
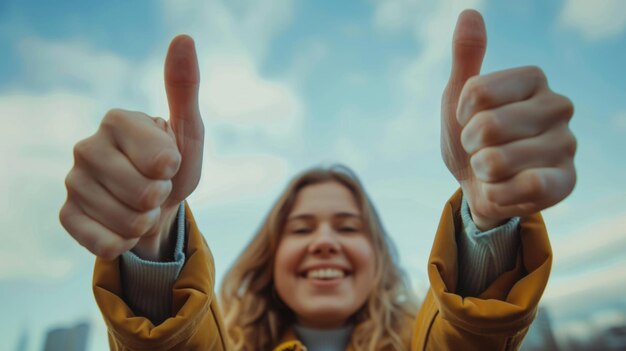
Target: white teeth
{"type": "Point", "coordinates": [325, 273]}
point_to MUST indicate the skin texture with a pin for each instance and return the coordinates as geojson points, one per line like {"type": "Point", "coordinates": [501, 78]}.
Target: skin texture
{"type": "Point", "coordinates": [324, 229]}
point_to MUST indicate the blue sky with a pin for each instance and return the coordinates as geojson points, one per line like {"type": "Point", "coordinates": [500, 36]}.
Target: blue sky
{"type": "Point", "coordinates": [287, 85]}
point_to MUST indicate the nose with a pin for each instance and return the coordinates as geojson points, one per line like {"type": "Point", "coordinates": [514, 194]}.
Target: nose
{"type": "Point", "coordinates": [324, 241]}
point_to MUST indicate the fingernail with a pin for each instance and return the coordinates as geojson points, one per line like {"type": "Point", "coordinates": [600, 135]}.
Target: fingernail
{"type": "Point", "coordinates": [478, 167]}
{"type": "Point", "coordinates": [153, 215]}
{"type": "Point", "coordinates": [169, 161]}
{"type": "Point", "coordinates": [165, 187]}
{"type": "Point", "coordinates": [161, 123]}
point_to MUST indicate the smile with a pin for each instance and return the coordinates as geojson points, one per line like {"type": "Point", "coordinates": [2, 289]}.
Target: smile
{"type": "Point", "coordinates": [325, 273]}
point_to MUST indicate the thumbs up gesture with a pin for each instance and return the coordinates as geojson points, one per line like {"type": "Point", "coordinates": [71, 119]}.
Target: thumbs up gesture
{"type": "Point", "coordinates": [504, 135]}
{"type": "Point", "coordinates": [129, 178]}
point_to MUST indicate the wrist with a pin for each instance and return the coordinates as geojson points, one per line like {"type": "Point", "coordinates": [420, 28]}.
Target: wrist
{"type": "Point", "coordinates": [484, 224]}
{"type": "Point", "coordinates": [159, 247]}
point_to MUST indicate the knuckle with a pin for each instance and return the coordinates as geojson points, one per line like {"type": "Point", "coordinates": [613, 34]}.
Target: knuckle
{"type": "Point", "coordinates": [113, 114]}
{"type": "Point", "coordinates": [570, 145]}
{"type": "Point", "coordinates": [491, 162]}
{"type": "Point", "coordinates": [83, 150]}
{"type": "Point", "coordinates": [148, 198]}
{"type": "Point", "coordinates": [537, 74]}
{"type": "Point", "coordinates": [495, 163]}
{"type": "Point", "coordinates": [74, 182]}
{"type": "Point", "coordinates": [112, 118]}
{"type": "Point", "coordinates": [536, 185]}
{"type": "Point", "coordinates": [477, 92]}
{"type": "Point", "coordinates": [491, 193]}
{"type": "Point", "coordinates": [565, 107]}
{"type": "Point", "coordinates": [571, 171]}
{"type": "Point", "coordinates": [467, 138]}
{"type": "Point", "coordinates": [64, 216]}
{"type": "Point", "coordinates": [489, 128]}
{"type": "Point", "coordinates": [70, 180]}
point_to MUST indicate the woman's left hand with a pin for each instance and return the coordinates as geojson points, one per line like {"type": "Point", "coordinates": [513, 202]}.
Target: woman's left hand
{"type": "Point", "coordinates": [505, 135]}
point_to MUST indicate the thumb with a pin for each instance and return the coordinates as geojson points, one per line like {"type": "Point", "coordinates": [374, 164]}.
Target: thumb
{"type": "Point", "coordinates": [182, 81]}
{"type": "Point", "coordinates": [469, 44]}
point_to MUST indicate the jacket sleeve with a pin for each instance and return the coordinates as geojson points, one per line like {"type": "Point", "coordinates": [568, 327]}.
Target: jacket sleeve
{"type": "Point", "coordinates": [196, 322]}
{"type": "Point", "coordinates": [498, 318]}
{"type": "Point", "coordinates": [157, 277]}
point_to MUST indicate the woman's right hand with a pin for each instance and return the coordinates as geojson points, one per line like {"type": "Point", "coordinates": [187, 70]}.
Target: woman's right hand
{"type": "Point", "coordinates": [129, 178]}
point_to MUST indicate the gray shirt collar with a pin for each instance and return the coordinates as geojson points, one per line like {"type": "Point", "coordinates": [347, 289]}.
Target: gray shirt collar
{"type": "Point", "coordinates": [324, 339]}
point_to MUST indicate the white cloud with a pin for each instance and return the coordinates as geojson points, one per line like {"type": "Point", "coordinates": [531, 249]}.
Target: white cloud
{"type": "Point", "coordinates": [351, 154]}
{"type": "Point", "coordinates": [236, 94]}
{"type": "Point", "coordinates": [81, 82]}
{"type": "Point", "coordinates": [38, 134]}
{"type": "Point", "coordinates": [575, 249]}
{"type": "Point", "coordinates": [76, 65]}
{"type": "Point", "coordinates": [305, 60]}
{"type": "Point", "coordinates": [588, 248]}
{"type": "Point", "coordinates": [232, 40]}
{"type": "Point", "coordinates": [393, 15]}
{"type": "Point", "coordinates": [595, 20]}
{"type": "Point", "coordinates": [409, 132]}
{"type": "Point", "coordinates": [237, 178]}
{"type": "Point", "coordinates": [243, 27]}
{"type": "Point", "coordinates": [421, 80]}
{"type": "Point", "coordinates": [608, 280]}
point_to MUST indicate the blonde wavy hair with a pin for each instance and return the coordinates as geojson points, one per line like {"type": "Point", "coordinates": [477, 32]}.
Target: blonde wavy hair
{"type": "Point", "coordinates": [256, 318]}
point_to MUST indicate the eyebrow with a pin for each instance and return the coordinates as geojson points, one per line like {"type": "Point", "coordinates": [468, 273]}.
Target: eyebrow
{"type": "Point", "coordinates": [338, 214]}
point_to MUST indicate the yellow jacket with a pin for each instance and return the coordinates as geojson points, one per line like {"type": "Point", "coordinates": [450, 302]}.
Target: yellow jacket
{"type": "Point", "coordinates": [498, 319]}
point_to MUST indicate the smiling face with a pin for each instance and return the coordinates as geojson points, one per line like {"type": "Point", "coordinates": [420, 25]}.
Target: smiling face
{"type": "Point", "coordinates": [324, 267]}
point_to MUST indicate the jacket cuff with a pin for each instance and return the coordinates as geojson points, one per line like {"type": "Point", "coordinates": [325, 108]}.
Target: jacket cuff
{"type": "Point", "coordinates": [193, 305]}
{"type": "Point", "coordinates": [147, 285]}
{"type": "Point", "coordinates": [509, 303]}
{"type": "Point", "coordinates": [483, 256]}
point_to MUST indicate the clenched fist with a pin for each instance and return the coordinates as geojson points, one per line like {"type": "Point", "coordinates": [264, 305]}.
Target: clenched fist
{"type": "Point", "coordinates": [504, 135]}
{"type": "Point", "coordinates": [129, 178]}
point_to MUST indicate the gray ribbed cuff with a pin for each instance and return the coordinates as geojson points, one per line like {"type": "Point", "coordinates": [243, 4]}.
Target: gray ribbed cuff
{"type": "Point", "coordinates": [147, 285]}
{"type": "Point", "coordinates": [483, 256]}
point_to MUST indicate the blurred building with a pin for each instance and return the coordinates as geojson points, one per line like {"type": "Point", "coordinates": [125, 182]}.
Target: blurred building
{"type": "Point", "coordinates": [22, 342]}
{"type": "Point", "coordinates": [603, 330]}
{"type": "Point", "coordinates": [67, 339]}
{"type": "Point", "coordinates": [615, 338]}
{"type": "Point", "coordinates": [610, 327]}
{"type": "Point", "coordinates": [540, 335]}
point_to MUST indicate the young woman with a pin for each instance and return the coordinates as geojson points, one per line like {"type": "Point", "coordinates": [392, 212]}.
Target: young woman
{"type": "Point", "coordinates": [320, 273]}
{"type": "Point", "coordinates": [320, 261]}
